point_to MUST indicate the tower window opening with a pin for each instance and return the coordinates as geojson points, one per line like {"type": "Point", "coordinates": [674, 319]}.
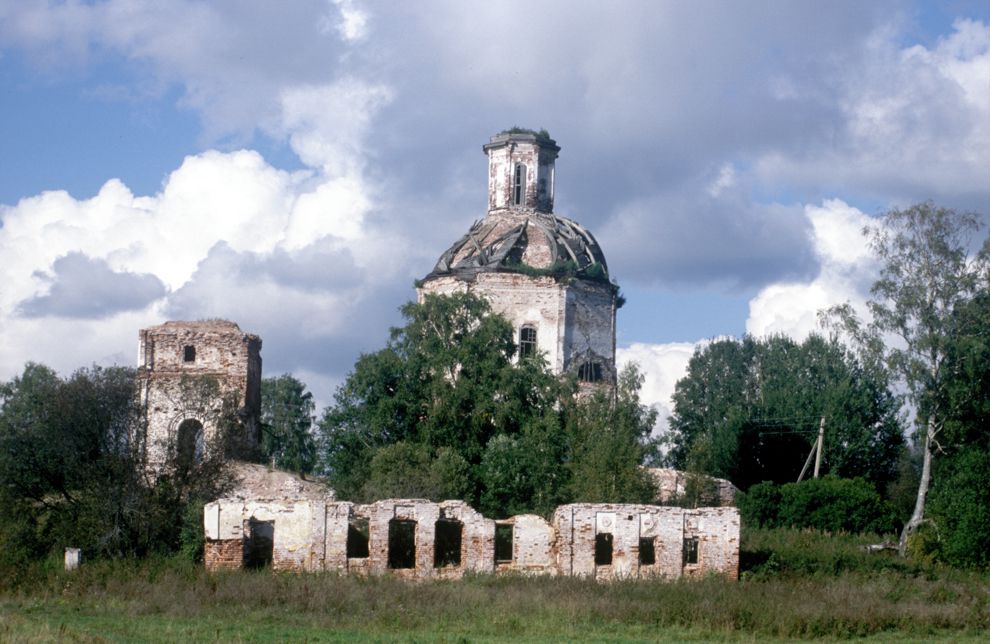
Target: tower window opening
{"type": "Point", "coordinates": [527, 341]}
{"type": "Point", "coordinates": [519, 185]}
{"type": "Point", "coordinates": [590, 372]}
{"type": "Point", "coordinates": [189, 353]}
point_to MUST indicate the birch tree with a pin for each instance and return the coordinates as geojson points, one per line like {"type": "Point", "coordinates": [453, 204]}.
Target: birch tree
{"type": "Point", "coordinates": [927, 271]}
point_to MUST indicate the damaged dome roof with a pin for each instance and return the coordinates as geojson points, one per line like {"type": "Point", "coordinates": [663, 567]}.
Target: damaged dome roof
{"type": "Point", "coordinates": [522, 241]}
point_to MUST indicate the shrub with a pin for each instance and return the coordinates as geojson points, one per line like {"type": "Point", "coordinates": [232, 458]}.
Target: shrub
{"type": "Point", "coordinates": [831, 504]}
{"type": "Point", "coordinates": [760, 505]}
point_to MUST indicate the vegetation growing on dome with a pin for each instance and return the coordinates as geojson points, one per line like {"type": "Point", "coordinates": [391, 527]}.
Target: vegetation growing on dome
{"type": "Point", "coordinates": [541, 135]}
{"type": "Point", "coordinates": [594, 272]}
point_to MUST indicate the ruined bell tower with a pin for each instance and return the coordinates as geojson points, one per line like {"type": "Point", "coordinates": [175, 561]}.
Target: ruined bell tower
{"type": "Point", "coordinates": [195, 379]}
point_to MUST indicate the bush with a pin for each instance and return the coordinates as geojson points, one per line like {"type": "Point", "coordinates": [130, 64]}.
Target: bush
{"type": "Point", "coordinates": [959, 510]}
{"type": "Point", "coordinates": [830, 504]}
{"type": "Point", "coordinates": [760, 505]}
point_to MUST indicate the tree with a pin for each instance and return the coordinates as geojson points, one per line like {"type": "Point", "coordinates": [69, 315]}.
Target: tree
{"type": "Point", "coordinates": [926, 274]}
{"type": "Point", "coordinates": [71, 476]}
{"type": "Point", "coordinates": [748, 410]}
{"type": "Point", "coordinates": [960, 492]}
{"type": "Point", "coordinates": [610, 441]}
{"type": "Point", "coordinates": [447, 379]}
{"type": "Point", "coordinates": [445, 407]}
{"type": "Point", "coordinates": [287, 410]}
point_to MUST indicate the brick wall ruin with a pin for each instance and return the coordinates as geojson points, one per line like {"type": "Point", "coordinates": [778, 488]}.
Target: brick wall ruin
{"type": "Point", "coordinates": [417, 538]}
{"type": "Point", "coordinates": [673, 485]}
{"type": "Point", "coordinates": [186, 370]}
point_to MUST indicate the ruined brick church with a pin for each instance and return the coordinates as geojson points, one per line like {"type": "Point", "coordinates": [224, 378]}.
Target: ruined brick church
{"type": "Point", "coordinates": [548, 276]}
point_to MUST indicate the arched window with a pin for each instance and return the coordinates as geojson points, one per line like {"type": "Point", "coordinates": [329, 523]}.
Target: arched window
{"type": "Point", "coordinates": [189, 443]}
{"type": "Point", "coordinates": [527, 341]}
{"type": "Point", "coordinates": [590, 372]}
{"type": "Point", "coordinates": [519, 185]}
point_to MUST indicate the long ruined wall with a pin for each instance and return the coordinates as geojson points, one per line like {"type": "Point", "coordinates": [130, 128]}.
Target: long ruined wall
{"type": "Point", "coordinates": [417, 538]}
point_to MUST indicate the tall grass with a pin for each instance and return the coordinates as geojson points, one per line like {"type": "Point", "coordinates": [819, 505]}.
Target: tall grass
{"type": "Point", "coordinates": [794, 585]}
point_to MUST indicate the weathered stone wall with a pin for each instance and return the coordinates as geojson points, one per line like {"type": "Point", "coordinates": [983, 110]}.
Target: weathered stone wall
{"type": "Point", "coordinates": [533, 543]}
{"type": "Point", "coordinates": [227, 554]}
{"type": "Point", "coordinates": [176, 363]}
{"type": "Point", "coordinates": [574, 321]}
{"type": "Point", "coordinates": [313, 535]}
{"type": "Point", "coordinates": [672, 485]}
{"type": "Point", "coordinates": [589, 327]}
{"type": "Point", "coordinates": [632, 529]}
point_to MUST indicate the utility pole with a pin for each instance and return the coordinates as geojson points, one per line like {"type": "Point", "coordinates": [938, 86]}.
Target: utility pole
{"type": "Point", "coordinates": [816, 451]}
{"type": "Point", "coordinates": [821, 437]}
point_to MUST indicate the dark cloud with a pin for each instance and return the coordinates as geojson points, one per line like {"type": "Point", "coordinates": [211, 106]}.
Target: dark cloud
{"type": "Point", "coordinates": [83, 287]}
{"type": "Point", "coordinates": [673, 240]}
{"type": "Point", "coordinates": [228, 281]}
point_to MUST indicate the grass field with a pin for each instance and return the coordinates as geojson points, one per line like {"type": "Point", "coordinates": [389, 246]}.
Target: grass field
{"type": "Point", "coordinates": [794, 586]}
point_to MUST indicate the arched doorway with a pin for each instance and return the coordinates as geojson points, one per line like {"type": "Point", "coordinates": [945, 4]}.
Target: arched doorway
{"type": "Point", "coordinates": [189, 443]}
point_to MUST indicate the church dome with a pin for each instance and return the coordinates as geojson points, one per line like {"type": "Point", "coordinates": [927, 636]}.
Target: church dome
{"type": "Point", "coordinates": [527, 242]}
{"type": "Point", "coordinates": [520, 233]}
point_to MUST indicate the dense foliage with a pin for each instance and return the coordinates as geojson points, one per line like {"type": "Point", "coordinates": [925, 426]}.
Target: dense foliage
{"type": "Point", "coordinates": [749, 410]}
{"type": "Point", "coordinates": [445, 411]}
{"type": "Point", "coordinates": [928, 276]}
{"type": "Point", "coordinates": [831, 504]}
{"type": "Point", "coordinates": [287, 412]}
{"type": "Point", "coordinates": [959, 506]}
{"type": "Point", "coordinates": [70, 475]}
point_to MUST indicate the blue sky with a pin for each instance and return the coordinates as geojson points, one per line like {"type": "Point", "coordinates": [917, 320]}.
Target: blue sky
{"type": "Point", "coordinates": [294, 166]}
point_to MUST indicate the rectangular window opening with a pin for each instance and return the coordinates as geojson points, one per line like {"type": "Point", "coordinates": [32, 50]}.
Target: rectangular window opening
{"type": "Point", "coordinates": [189, 353]}
{"type": "Point", "coordinates": [357, 538]}
{"type": "Point", "coordinates": [603, 549]}
{"type": "Point", "coordinates": [259, 543]}
{"type": "Point", "coordinates": [447, 543]}
{"type": "Point", "coordinates": [504, 533]}
{"type": "Point", "coordinates": [401, 544]}
{"type": "Point", "coordinates": [690, 551]}
{"type": "Point", "coordinates": [647, 551]}
{"type": "Point", "coordinates": [519, 185]}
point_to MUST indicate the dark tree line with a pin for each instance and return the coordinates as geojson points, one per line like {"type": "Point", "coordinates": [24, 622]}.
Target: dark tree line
{"type": "Point", "coordinates": [749, 410]}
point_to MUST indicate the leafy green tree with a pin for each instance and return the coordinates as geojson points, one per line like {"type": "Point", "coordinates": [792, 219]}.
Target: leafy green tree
{"type": "Point", "coordinates": [610, 441]}
{"type": "Point", "coordinates": [960, 493]}
{"type": "Point", "coordinates": [287, 412]}
{"type": "Point", "coordinates": [447, 379]}
{"type": "Point", "coordinates": [446, 408]}
{"type": "Point", "coordinates": [71, 476]}
{"type": "Point", "coordinates": [960, 508]}
{"type": "Point", "coordinates": [749, 410]}
{"type": "Point", "coordinates": [926, 275]}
